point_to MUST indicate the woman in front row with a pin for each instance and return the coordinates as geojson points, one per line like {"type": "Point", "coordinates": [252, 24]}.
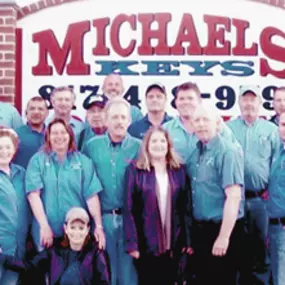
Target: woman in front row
{"type": "Point", "coordinates": [156, 213]}
{"type": "Point", "coordinates": [73, 260]}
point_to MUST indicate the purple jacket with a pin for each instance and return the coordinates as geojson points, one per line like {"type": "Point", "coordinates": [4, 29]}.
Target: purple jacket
{"type": "Point", "coordinates": [93, 267]}
{"type": "Point", "coordinates": [141, 212]}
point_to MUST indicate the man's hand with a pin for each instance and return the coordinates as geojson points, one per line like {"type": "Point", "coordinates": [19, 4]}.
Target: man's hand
{"type": "Point", "coordinates": [220, 246]}
{"type": "Point", "coordinates": [100, 237]}
{"type": "Point", "coordinates": [46, 236]}
{"type": "Point", "coordinates": [135, 254]}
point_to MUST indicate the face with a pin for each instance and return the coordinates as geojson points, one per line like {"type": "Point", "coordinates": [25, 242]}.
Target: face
{"type": "Point", "coordinates": [118, 120]}
{"type": "Point", "coordinates": [281, 127]}
{"type": "Point", "coordinates": [36, 112]}
{"type": "Point", "coordinates": [7, 150]}
{"type": "Point", "coordinates": [187, 102]}
{"type": "Point", "coordinates": [279, 102]}
{"type": "Point", "coordinates": [205, 125]}
{"type": "Point", "coordinates": [76, 232]}
{"type": "Point", "coordinates": [95, 116]}
{"type": "Point", "coordinates": [249, 105]}
{"type": "Point", "coordinates": [113, 86]}
{"type": "Point", "coordinates": [62, 102]}
{"type": "Point", "coordinates": [59, 138]}
{"type": "Point", "coordinates": [158, 146]}
{"type": "Point", "coordinates": [155, 100]}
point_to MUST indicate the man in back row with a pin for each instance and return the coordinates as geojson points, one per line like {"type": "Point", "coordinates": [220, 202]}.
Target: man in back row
{"type": "Point", "coordinates": [260, 142]}
{"type": "Point", "coordinates": [156, 100]}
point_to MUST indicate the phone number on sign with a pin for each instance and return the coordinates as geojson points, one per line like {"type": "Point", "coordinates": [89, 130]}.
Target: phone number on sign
{"type": "Point", "coordinates": [225, 95]}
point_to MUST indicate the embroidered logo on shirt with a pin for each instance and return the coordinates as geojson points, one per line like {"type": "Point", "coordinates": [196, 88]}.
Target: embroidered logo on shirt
{"type": "Point", "coordinates": [210, 161]}
{"type": "Point", "coordinates": [75, 166]}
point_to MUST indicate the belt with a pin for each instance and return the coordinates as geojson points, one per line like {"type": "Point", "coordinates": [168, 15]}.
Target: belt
{"type": "Point", "coordinates": [277, 221]}
{"type": "Point", "coordinates": [116, 211]}
{"type": "Point", "coordinates": [207, 222]}
{"type": "Point", "coordinates": [252, 194]}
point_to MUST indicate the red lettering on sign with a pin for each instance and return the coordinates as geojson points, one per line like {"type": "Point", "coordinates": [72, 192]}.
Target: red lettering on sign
{"type": "Point", "coordinates": [148, 34]}
{"type": "Point", "coordinates": [240, 48]}
{"type": "Point", "coordinates": [73, 45]}
{"type": "Point", "coordinates": [187, 33]}
{"type": "Point", "coordinates": [101, 25]}
{"type": "Point", "coordinates": [272, 51]}
{"type": "Point", "coordinates": [115, 34]}
{"type": "Point", "coordinates": [217, 35]}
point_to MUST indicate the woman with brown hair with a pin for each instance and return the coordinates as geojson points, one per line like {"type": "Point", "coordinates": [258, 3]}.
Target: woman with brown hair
{"type": "Point", "coordinates": [58, 178]}
{"type": "Point", "coordinates": [14, 207]}
{"type": "Point", "coordinates": [156, 212]}
{"type": "Point", "coordinates": [73, 260]}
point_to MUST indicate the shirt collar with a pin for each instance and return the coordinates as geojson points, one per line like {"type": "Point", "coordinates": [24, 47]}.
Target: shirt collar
{"type": "Point", "coordinates": [212, 144]}
{"type": "Point", "coordinates": [166, 118]}
{"type": "Point", "coordinates": [254, 123]}
{"type": "Point", "coordinates": [43, 130]}
{"type": "Point", "coordinates": [123, 142]}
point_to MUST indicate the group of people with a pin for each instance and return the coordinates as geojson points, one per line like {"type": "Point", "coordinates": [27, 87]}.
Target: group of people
{"type": "Point", "coordinates": [123, 199]}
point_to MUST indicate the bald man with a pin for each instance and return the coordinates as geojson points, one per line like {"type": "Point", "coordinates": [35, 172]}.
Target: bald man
{"type": "Point", "coordinates": [216, 170]}
{"type": "Point", "coordinates": [113, 86]}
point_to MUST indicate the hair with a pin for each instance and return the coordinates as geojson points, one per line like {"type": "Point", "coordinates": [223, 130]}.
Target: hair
{"type": "Point", "coordinates": [281, 88]}
{"type": "Point", "coordinates": [144, 160]}
{"type": "Point", "coordinates": [47, 144]}
{"type": "Point", "coordinates": [10, 133]}
{"type": "Point", "coordinates": [188, 86]}
{"type": "Point", "coordinates": [37, 99]}
{"type": "Point", "coordinates": [61, 89]}
{"type": "Point", "coordinates": [65, 242]}
{"type": "Point", "coordinates": [117, 101]}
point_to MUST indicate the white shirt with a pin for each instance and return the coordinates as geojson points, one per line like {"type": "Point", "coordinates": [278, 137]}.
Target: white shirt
{"type": "Point", "coordinates": [162, 180]}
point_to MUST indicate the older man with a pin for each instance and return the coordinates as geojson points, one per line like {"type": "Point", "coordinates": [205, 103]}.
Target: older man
{"type": "Point", "coordinates": [63, 100]}
{"type": "Point", "coordinates": [31, 135]}
{"type": "Point", "coordinates": [111, 154]}
{"type": "Point", "coordinates": [113, 86]}
{"type": "Point", "coordinates": [95, 116]}
{"type": "Point", "coordinates": [260, 142]}
{"type": "Point", "coordinates": [216, 171]}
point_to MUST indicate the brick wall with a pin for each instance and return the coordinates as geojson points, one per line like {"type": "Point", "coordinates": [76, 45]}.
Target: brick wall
{"type": "Point", "coordinates": [8, 18]}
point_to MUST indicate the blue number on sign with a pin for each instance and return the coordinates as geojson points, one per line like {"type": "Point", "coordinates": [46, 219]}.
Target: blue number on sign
{"type": "Point", "coordinates": [132, 96]}
{"type": "Point", "coordinates": [227, 97]}
{"type": "Point", "coordinates": [92, 89]}
{"type": "Point", "coordinates": [267, 94]}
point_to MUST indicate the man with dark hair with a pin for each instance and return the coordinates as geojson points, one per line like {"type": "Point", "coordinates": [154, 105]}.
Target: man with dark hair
{"type": "Point", "coordinates": [187, 99]}
{"type": "Point", "coordinates": [31, 135]}
{"type": "Point", "coordinates": [278, 104]}
{"type": "Point", "coordinates": [156, 99]}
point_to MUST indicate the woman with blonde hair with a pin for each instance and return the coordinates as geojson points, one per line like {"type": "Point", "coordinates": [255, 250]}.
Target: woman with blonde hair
{"type": "Point", "coordinates": [14, 208]}
{"type": "Point", "coordinates": [157, 209]}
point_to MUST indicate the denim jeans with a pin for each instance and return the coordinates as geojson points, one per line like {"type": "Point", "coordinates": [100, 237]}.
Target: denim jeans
{"type": "Point", "coordinates": [123, 271]}
{"type": "Point", "coordinates": [277, 252]}
{"type": "Point", "coordinates": [255, 268]}
{"type": "Point", "coordinates": [8, 277]}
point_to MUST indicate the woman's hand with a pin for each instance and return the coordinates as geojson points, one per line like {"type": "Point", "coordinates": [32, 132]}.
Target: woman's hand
{"type": "Point", "coordinates": [134, 254]}
{"type": "Point", "coordinates": [188, 250]}
{"type": "Point", "coordinates": [100, 237]}
{"type": "Point", "coordinates": [46, 236]}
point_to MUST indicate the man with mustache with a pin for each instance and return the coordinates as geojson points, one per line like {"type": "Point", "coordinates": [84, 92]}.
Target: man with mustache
{"type": "Point", "coordinates": [63, 100]}
{"type": "Point", "coordinates": [156, 99]}
{"type": "Point", "coordinates": [260, 142]}
{"type": "Point", "coordinates": [278, 104]}
{"type": "Point", "coordinates": [111, 154]}
{"type": "Point", "coordinates": [31, 135]}
{"type": "Point", "coordinates": [113, 87]}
